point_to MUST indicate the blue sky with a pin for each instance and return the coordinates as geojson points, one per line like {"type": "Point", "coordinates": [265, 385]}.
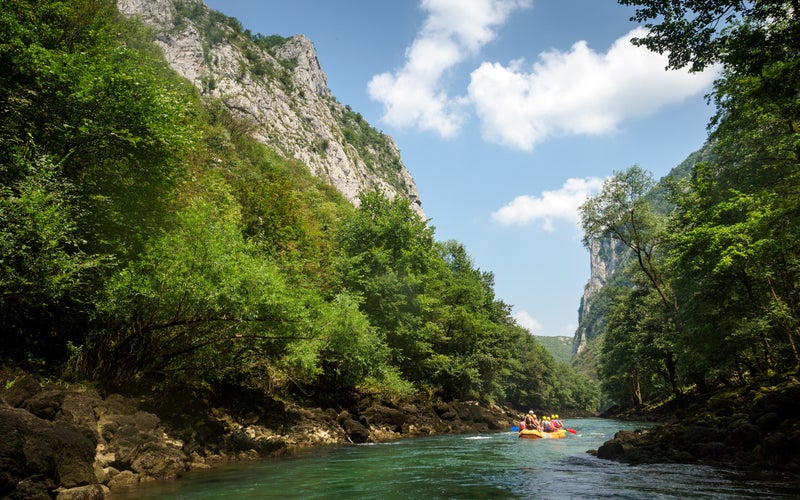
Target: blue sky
{"type": "Point", "coordinates": [508, 114]}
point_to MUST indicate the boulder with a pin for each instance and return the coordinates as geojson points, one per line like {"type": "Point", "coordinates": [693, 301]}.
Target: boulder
{"type": "Point", "coordinates": [124, 479]}
{"type": "Point", "coordinates": [56, 453]}
{"type": "Point", "coordinates": [90, 492]}
{"type": "Point", "coordinates": [45, 404]}
{"type": "Point", "coordinates": [28, 489]}
{"type": "Point", "coordinates": [355, 430]}
{"type": "Point", "coordinates": [17, 387]}
{"type": "Point", "coordinates": [160, 461]}
{"type": "Point", "coordinates": [611, 450]}
{"type": "Point", "coordinates": [383, 416]}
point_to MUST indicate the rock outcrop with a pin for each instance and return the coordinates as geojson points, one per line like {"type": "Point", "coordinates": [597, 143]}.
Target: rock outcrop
{"type": "Point", "coordinates": [754, 428]}
{"type": "Point", "coordinates": [604, 258]}
{"type": "Point", "coordinates": [281, 89]}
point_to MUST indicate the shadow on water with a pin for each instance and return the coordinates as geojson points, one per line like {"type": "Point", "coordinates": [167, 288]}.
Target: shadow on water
{"type": "Point", "coordinates": [457, 466]}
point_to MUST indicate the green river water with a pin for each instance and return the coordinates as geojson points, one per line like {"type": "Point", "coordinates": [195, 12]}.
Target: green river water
{"type": "Point", "coordinates": [465, 467]}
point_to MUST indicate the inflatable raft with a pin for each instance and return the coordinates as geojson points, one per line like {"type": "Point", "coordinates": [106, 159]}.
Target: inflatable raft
{"type": "Point", "coordinates": [536, 434]}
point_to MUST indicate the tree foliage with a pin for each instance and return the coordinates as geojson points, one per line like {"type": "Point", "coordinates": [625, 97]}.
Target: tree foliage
{"type": "Point", "coordinates": [45, 275]}
{"type": "Point", "coordinates": [699, 33]}
{"type": "Point", "coordinates": [147, 240]}
{"type": "Point", "coordinates": [728, 250]}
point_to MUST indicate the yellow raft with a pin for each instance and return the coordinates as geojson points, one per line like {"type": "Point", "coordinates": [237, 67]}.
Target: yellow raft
{"type": "Point", "coordinates": [536, 434]}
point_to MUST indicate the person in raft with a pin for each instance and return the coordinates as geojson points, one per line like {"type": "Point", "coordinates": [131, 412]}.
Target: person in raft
{"type": "Point", "coordinates": [547, 425]}
{"type": "Point", "coordinates": [530, 420]}
{"type": "Point", "coordinates": [558, 424]}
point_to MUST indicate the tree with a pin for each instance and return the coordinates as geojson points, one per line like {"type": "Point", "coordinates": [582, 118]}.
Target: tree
{"type": "Point", "coordinates": [623, 212]}
{"type": "Point", "coordinates": [737, 217]}
{"type": "Point", "coordinates": [701, 33]}
{"type": "Point", "coordinates": [386, 249]}
{"type": "Point", "coordinates": [90, 90]}
{"type": "Point", "coordinates": [354, 354]}
{"type": "Point", "coordinates": [200, 301]}
{"type": "Point", "coordinates": [45, 276]}
{"type": "Point", "coordinates": [637, 357]}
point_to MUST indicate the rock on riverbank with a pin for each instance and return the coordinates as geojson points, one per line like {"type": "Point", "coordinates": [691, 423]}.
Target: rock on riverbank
{"type": "Point", "coordinates": [756, 428]}
{"type": "Point", "coordinates": [70, 442]}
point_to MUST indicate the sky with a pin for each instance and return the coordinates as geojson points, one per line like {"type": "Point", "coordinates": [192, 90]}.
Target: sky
{"type": "Point", "coordinates": [508, 114]}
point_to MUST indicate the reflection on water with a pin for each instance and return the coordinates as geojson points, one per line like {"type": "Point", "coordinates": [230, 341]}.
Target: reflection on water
{"type": "Point", "coordinates": [475, 466]}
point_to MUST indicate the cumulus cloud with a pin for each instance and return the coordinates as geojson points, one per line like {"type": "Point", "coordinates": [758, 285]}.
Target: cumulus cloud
{"type": "Point", "coordinates": [561, 204]}
{"type": "Point", "coordinates": [453, 30]}
{"type": "Point", "coordinates": [528, 322]}
{"type": "Point", "coordinates": [576, 92]}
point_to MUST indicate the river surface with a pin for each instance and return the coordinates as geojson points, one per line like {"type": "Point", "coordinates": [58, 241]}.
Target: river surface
{"type": "Point", "coordinates": [465, 467]}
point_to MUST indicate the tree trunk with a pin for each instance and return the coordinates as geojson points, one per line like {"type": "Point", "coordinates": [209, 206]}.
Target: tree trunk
{"type": "Point", "coordinates": [636, 389]}
{"type": "Point", "coordinates": [672, 369]}
{"type": "Point", "coordinates": [786, 325]}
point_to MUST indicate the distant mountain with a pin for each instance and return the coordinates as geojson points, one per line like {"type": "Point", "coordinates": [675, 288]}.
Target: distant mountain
{"type": "Point", "coordinates": [559, 347]}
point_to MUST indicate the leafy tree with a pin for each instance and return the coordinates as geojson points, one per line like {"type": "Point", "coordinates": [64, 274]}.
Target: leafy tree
{"type": "Point", "coordinates": [735, 234]}
{"type": "Point", "coordinates": [731, 245]}
{"type": "Point", "coordinates": [90, 89]}
{"type": "Point", "coordinates": [385, 251]}
{"type": "Point", "coordinates": [355, 354]}
{"type": "Point", "coordinates": [200, 301]}
{"type": "Point", "coordinates": [700, 33]}
{"type": "Point", "coordinates": [45, 277]}
{"type": "Point", "coordinates": [623, 212]}
{"type": "Point", "coordinates": [573, 390]}
{"type": "Point", "coordinates": [637, 356]}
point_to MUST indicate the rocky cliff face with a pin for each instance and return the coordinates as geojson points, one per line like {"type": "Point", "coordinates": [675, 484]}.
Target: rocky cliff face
{"type": "Point", "coordinates": [604, 257]}
{"type": "Point", "coordinates": [279, 87]}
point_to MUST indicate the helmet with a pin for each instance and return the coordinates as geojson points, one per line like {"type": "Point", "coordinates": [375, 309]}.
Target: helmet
{"type": "Point", "coordinates": [530, 411]}
{"type": "Point", "coordinates": [556, 416]}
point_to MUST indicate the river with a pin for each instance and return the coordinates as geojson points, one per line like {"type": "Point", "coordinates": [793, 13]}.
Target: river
{"type": "Point", "coordinates": [465, 467]}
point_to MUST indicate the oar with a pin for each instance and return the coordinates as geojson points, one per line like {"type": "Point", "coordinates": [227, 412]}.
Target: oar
{"type": "Point", "coordinates": [572, 431]}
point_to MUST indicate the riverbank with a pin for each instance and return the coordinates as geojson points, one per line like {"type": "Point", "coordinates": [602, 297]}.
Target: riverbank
{"type": "Point", "coordinates": [70, 441]}
{"type": "Point", "coordinates": [754, 427]}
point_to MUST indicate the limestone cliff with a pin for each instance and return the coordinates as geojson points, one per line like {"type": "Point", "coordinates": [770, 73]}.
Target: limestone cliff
{"type": "Point", "coordinates": [277, 84]}
{"type": "Point", "coordinates": [604, 257]}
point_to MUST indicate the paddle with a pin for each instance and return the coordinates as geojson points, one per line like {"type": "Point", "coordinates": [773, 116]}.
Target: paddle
{"type": "Point", "coordinates": [572, 431]}
{"type": "Point", "coordinates": [515, 428]}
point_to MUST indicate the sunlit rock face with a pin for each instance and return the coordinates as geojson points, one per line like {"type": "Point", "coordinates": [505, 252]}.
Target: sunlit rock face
{"type": "Point", "coordinates": [282, 91]}
{"type": "Point", "coordinates": [604, 256]}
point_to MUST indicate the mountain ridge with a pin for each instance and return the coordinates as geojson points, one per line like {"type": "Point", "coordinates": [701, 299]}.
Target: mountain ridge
{"type": "Point", "coordinates": [277, 85]}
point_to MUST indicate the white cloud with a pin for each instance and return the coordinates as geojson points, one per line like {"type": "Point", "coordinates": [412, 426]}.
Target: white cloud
{"type": "Point", "coordinates": [527, 321]}
{"type": "Point", "coordinates": [576, 92]}
{"type": "Point", "coordinates": [561, 204]}
{"type": "Point", "coordinates": [453, 30]}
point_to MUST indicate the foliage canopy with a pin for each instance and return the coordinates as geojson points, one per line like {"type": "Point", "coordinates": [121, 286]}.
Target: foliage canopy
{"type": "Point", "coordinates": [146, 240]}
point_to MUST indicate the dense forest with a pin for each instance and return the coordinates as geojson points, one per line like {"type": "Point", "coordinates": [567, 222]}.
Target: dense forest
{"type": "Point", "coordinates": [707, 295]}
{"type": "Point", "coordinates": [147, 241]}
